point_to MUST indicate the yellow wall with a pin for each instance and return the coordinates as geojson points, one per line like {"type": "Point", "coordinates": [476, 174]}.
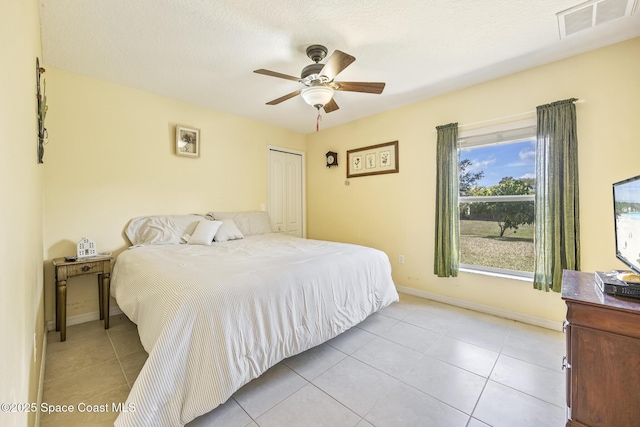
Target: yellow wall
{"type": "Point", "coordinates": [111, 157]}
{"type": "Point", "coordinates": [395, 212]}
{"type": "Point", "coordinates": [21, 212]}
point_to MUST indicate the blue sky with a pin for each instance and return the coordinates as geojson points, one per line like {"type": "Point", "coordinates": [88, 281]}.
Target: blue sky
{"type": "Point", "coordinates": [628, 192]}
{"type": "Point", "coordinates": [515, 159]}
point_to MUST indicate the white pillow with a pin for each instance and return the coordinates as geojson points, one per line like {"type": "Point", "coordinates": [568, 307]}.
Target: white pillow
{"type": "Point", "coordinates": [160, 229]}
{"type": "Point", "coordinates": [228, 231]}
{"type": "Point", "coordinates": [204, 232]}
{"type": "Point", "coordinates": [249, 223]}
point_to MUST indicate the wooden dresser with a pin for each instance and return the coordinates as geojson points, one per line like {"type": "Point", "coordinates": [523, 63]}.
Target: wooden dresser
{"type": "Point", "coordinates": [603, 355]}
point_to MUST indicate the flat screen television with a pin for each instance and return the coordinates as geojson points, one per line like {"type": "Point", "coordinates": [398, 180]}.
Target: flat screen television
{"type": "Point", "coordinates": [626, 203]}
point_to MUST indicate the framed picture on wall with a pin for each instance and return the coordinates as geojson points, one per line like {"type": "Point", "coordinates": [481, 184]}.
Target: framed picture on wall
{"type": "Point", "coordinates": [187, 141]}
{"type": "Point", "coordinates": [356, 163]}
{"type": "Point", "coordinates": [373, 160]}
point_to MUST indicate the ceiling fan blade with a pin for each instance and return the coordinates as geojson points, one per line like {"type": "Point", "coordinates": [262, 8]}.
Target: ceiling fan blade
{"type": "Point", "coordinates": [336, 63]}
{"type": "Point", "coordinates": [278, 75]}
{"type": "Point", "coordinates": [376, 88]}
{"type": "Point", "coordinates": [330, 106]}
{"type": "Point", "coordinates": [284, 98]}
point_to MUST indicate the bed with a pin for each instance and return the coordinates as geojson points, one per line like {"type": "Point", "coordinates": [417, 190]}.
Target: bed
{"type": "Point", "coordinates": [213, 316]}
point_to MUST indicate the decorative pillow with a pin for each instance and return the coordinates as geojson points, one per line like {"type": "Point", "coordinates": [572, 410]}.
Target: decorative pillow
{"type": "Point", "coordinates": [160, 229]}
{"type": "Point", "coordinates": [249, 223]}
{"type": "Point", "coordinates": [227, 231]}
{"type": "Point", "coordinates": [204, 232]}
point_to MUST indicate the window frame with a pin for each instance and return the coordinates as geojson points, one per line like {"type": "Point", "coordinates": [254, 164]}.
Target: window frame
{"type": "Point", "coordinates": [463, 143]}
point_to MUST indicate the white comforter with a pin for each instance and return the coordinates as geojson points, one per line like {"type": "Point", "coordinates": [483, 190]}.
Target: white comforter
{"type": "Point", "coordinates": [212, 318]}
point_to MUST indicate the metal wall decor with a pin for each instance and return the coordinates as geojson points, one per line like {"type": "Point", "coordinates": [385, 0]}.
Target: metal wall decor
{"type": "Point", "coordinates": [42, 112]}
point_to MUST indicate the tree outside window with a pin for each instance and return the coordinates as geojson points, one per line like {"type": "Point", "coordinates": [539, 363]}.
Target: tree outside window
{"type": "Point", "coordinates": [497, 212]}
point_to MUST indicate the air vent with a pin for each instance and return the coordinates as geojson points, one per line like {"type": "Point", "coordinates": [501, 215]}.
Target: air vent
{"type": "Point", "coordinates": [592, 13]}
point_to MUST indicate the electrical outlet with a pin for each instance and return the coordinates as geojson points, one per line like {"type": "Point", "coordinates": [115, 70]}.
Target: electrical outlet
{"type": "Point", "coordinates": [262, 208]}
{"type": "Point", "coordinates": [401, 259]}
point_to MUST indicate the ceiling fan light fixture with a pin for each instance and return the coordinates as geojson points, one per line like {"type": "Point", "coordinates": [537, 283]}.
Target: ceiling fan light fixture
{"type": "Point", "coordinates": [317, 96]}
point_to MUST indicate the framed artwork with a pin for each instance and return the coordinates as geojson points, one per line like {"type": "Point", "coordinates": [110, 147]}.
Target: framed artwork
{"type": "Point", "coordinates": [370, 163]}
{"type": "Point", "coordinates": [187, 141]}
{"type": "Point", "coordinates": [356, 162]}
{"type": "Point", "coordinates": [373, 160]}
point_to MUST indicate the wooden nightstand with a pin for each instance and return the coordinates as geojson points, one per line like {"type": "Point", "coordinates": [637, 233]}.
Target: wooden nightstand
{"type": "Point", "coordinates": [100, 265]}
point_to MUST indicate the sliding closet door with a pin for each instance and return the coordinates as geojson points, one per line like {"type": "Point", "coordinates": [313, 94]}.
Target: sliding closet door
{"type": "Point", "coordinates": [286, 192]}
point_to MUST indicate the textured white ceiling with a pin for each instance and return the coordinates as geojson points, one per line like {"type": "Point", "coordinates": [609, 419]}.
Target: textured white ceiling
{"type": "Point", "coordinates": [204, 51]}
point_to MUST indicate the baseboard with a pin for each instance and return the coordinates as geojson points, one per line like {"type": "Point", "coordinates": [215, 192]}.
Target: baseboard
{"type": "Point", "coordinates": [84, 318]}
{"type": "Point", "coordinates": [520, 317]}
{"type": "Point", "coordinates": [41, 378]}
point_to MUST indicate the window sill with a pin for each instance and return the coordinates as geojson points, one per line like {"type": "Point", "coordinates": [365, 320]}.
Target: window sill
{"type": "Point", "coordinates": [498, 274]}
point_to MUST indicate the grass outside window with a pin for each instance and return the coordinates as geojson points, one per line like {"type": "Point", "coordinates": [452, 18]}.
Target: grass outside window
{"type": "Point", "coordinates": [481, 245]}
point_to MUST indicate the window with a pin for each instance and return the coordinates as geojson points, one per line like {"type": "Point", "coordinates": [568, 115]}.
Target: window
{"type": "Point", "coordinates": [497, 190]}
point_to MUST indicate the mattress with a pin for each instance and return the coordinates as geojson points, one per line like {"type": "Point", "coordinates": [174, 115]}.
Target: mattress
{"type": "Point", "coordinates": [212, 318]}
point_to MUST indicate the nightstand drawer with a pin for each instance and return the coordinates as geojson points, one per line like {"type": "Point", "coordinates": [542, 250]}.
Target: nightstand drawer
{"type": "Point", "coordinates": [85, 268]}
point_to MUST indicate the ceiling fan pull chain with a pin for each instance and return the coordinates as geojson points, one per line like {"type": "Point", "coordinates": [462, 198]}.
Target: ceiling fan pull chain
{"type": "Point", "coordinates": [318, 120]}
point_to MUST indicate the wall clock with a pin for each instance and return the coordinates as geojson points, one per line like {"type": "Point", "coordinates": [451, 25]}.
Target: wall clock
{"type": "Point", "coordinates": [332, 159]}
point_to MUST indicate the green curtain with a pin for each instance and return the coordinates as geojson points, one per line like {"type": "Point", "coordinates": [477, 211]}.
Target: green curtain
{"type": "Point", "coordinates": [447, 252]}
{"type": "Point", "coordinates": [557, 227]}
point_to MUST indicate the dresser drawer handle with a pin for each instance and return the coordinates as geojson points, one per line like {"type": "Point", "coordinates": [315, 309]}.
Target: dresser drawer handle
{"type": "Point", "coordinates": [565, 364]}
{"type": "Point", "coordinates": [564, 325]}
{"type": "Point", "coordinates": [86, 268]}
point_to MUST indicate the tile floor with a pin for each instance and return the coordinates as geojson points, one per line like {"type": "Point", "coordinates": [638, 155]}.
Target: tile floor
{"type": "Point", "coordinates": [415, 363]}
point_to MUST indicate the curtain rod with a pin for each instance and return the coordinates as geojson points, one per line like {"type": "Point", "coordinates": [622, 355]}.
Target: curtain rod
{"type": "Point", "coordinates": [578, 101]}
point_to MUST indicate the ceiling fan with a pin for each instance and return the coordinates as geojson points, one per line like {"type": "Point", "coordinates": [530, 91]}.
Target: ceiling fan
{"type": "Point", "coordinates": [318, 79]}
